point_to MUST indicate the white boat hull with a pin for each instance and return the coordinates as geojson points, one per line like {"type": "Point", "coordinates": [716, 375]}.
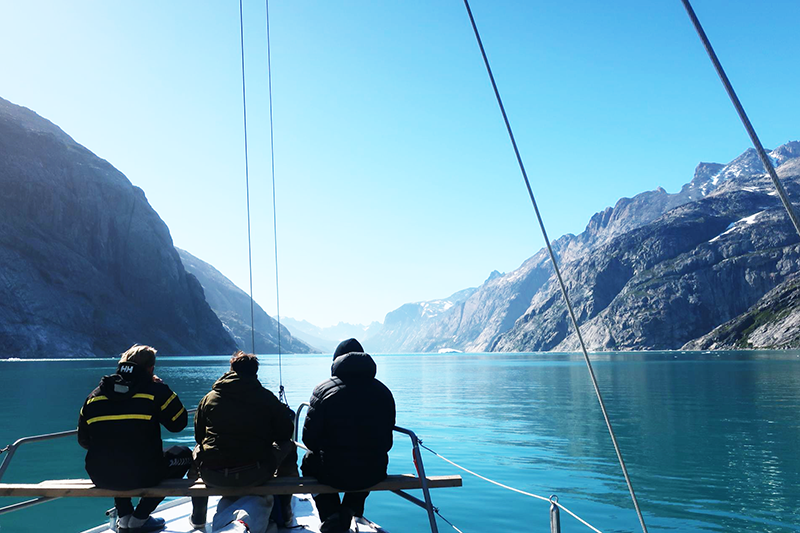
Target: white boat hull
{"type": "Point", "coordinates": [177, 512]}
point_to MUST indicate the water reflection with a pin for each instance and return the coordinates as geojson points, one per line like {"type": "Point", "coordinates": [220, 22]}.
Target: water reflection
{"type": "Point", "coordinates": [710, 440]}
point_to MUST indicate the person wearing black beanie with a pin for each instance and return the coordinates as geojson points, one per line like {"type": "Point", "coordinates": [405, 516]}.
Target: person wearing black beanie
{"type": "Point", "coordinates": [349, 450]}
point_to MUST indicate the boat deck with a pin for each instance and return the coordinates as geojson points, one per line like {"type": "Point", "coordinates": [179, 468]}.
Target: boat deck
{"type": "Point", "coordinates": [306, 519]}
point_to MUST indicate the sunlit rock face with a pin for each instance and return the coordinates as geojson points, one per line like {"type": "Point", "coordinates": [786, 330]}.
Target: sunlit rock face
{"type": "Point", "coordinates": [772, 323]}
{"type": "Point", "coordinates": [87, 267]}
{"type": "Point", "coordinates": [655, 271]}
{"type": "Point", "coordinates": [671, 281]}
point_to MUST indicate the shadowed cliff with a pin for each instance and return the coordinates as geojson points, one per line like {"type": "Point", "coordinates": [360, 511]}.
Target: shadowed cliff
{"type": "Point", "coordinates": [232, 306]}
{"type": "Point", "coordinates": [87, 267]}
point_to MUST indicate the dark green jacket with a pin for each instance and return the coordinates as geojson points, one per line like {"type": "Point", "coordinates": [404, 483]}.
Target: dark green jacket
{"type": "Point", "coordinates": [237, 422]}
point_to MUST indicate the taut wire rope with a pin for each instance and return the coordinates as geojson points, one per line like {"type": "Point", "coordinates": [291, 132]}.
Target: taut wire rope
{"type": "Point", "coordinates": [561, 284]}
{"type": "Point", "coordinates": [281, 390]}
{"type": "Point", "coordinates": [762, 154]}
{"type": "Point", "coordinates": [247, 184]}
{"type": "Point", "coordinates": [518, 491]}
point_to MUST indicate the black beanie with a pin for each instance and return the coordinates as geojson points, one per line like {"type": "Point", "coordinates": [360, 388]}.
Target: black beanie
{"type": "Point", "coordinates": [348, 346]}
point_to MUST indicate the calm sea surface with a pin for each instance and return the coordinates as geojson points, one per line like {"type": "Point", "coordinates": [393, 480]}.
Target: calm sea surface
{"type": "Point", "coordinates": [712, 441]}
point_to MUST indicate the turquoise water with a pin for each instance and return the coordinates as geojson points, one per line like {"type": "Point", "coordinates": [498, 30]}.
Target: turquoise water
{"type": "Point", "coordinates": [712, 441]}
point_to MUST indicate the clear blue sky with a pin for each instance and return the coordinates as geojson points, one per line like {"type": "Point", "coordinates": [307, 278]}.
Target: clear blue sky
{"type": "Point", "coordinates": [395, 179]}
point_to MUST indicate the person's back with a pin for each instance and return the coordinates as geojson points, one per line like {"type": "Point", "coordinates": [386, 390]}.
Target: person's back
{"type": "Point", "coordinates": [243, 435]}
{"type": "Point", "coordinates": [120, 426]}
{"type": "Point", "coordinates": [357, 414]}
{"type": "Point", "coordinates": [239, 421]}
{"type": "Point", "coordinates": [348, 430]}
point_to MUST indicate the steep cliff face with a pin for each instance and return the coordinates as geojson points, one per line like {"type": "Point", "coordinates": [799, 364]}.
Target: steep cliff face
{"type": "Point", "coordinates": [88, 267]}
{"type": "Point", "coordinates": [654, 271]}
{"type": "Point", "coordinates": [773, 322]}
{"type": "Point", "coordinates": [232, 306]}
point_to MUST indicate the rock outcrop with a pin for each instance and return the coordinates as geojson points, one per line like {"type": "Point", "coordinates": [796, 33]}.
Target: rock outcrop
{"type": "Point", "coordinates": [87, 267]}
{"type": "Point", "coordinates": [232, 306]}
{"type": "Point", "coordinates": [772, 323]}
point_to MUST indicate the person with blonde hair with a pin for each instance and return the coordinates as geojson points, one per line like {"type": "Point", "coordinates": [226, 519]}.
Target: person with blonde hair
{"type": "Point", "coordinates": [120, 426]}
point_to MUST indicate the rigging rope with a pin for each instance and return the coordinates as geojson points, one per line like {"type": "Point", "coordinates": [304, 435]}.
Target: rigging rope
{"type": "Point", "coordinates": [436, 510]}
{"type": "Point", "coordinates": [247, 184]}
{"type": "Point", "coordinates": [762, 154]}
{"type": "Point", "coordinates": [576, 517]}
{"type": "Point", "coordinates": [281, 390]}
{"type": "Point", "coordinates": [561, 284]}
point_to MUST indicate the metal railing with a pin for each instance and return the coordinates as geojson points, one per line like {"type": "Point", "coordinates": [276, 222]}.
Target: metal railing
{"type": "Point", "coordinates": [12, 449]}
{"type": "Point", "coordinates": [427, 504]}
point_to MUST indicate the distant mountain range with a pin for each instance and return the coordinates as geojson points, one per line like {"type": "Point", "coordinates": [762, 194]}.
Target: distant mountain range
{"type": "Point", "coordinates": [327, 338]}
{"type": "Point", "coordinates": [88, 268]}
{"type": "Point", "coordinates": [712, 266]}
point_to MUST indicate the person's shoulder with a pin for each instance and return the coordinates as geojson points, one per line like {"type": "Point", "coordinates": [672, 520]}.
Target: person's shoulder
{"type": "Point", "coordinates": [327, 387]}
{"type": "Point", "coordinates": [382, 391]}
{"type": "Point", "coordinates": [265, 394]}
{"type": "Point", "coordinates": [209, 397]}
{"type": "Point", "coordinates": [158, 388]}
{"type": "Point", "coordinates": [380, 385]}
{"type": "Point", "coordinates": [96, 392]}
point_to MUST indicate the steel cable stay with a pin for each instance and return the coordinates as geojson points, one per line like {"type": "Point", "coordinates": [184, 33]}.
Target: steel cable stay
{"type": "Point", "coordinates": [762, 154]}
{"type": "Point", "coordinates": [561, 283]}
{"type": "Point", "coordinates": [247, 183]}
{"type": "Point", "coordinates": [281, 390]}
{"type": "Point", "coordinates": [552, 499]}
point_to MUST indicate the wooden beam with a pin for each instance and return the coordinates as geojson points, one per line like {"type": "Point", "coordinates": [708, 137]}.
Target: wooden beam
{"type": "Point", "coordinates": [84, 488]}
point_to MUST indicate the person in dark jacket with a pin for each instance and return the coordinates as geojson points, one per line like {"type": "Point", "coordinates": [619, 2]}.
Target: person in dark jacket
{"type": "Point", "coordinates": [348, 430]}
{"type": "Point", "coordinates": [237, 426]}
{"type": "Point", "coordinates": [243, 431]}
{"type": "Point", "coordinates": [120, 426]}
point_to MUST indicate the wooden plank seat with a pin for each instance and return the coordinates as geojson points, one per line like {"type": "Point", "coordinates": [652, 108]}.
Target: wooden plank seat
{"type": "Point", "coordinates": [84, 488]}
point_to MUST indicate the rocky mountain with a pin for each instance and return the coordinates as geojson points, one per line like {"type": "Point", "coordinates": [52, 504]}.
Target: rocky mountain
{"type": "Point", "coordinates": [653, 272]}
{"type": "Point", "coordinates": [87, 267]}
{"type": "Point", "coordinates": [404, 330]}
{"type": "Point", "coordinates": [327, 338]}
{"type": "Point", "coordinates": [668, 282]}
{"type": "Point", "coordinates": [232, 306]}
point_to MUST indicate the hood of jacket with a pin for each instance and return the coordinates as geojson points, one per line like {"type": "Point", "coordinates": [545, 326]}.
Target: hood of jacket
{"type": "Point", "coordinates": [129, 378]}
{"type": "Point", "coordinates": [232, 385]}
{"type": "Point", "coordinates": [354, 366]}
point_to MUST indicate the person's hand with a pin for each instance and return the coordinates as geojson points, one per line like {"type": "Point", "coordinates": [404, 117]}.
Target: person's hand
{"type": "Point", "coordinates": [157, 379]}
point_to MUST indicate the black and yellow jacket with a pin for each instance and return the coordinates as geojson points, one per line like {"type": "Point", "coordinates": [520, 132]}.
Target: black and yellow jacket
{"type": "Point", "coordinates": [120, 426]}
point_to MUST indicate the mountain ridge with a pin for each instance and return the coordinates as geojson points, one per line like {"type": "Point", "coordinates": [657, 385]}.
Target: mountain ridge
{"type": "Point", "coordinates": [232, 306]}
{"type": "Point", "coordinates": [522, 310]}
